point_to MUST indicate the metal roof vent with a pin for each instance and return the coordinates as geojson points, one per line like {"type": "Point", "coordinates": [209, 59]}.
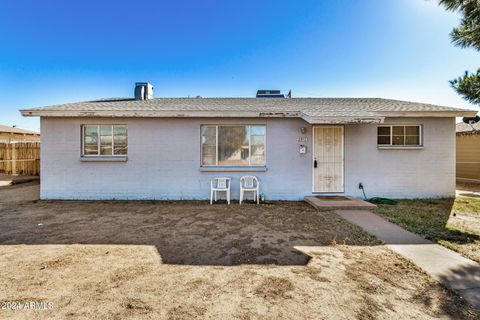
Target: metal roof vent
{"type": "Point", "coordinates": [269, 94]}
{"type": "Point", "coordinates": [143, 91]}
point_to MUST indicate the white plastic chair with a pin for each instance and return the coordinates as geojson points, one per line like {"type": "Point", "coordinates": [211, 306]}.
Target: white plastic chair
{"type": "Point", "coordinates": [219, 185]}
{"type": "Point", "coordinates": [250, 184]}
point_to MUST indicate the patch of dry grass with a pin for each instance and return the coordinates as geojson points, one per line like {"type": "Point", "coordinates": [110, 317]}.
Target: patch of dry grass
{"type": "Point", "coordinates": [274, 288]}
{"type": "Point", "coordinates": [453, 223]}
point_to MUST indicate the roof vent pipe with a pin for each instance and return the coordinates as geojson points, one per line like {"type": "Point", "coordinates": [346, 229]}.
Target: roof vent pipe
{"type": "Point", "coordinates": [143, 91]}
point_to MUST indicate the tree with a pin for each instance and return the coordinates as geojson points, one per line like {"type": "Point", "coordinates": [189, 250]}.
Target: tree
{"type": "Point", "coordinates": [468, 86]}
{"type": "Point", "coordinates": [466, 35]}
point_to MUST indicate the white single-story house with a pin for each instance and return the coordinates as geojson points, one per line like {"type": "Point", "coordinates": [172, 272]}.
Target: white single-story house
{"type": "Point", "coordinates": [170, 148]}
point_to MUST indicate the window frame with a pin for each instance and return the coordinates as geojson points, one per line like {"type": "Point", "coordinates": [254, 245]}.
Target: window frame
{"type": "Point", "coordinates": [391, 145]}
{"type": "Point", "coordinates": [98, 155]}
{"type": "Point", "coordinates": [249, 165]}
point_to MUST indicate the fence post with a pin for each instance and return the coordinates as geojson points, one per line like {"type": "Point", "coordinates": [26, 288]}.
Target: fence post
{"type": "Point", "coordinates": [14, 159]}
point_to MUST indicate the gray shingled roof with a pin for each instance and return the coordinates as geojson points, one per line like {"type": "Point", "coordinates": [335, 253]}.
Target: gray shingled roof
{"type": "Point", "coordinates": [231, 107]}
{"type": "Point", "coordinates": [8, 129]}
{"type": "Point", "coordinates": [239, 104]}
{"type": "Point", "coordinates": [464, 127]}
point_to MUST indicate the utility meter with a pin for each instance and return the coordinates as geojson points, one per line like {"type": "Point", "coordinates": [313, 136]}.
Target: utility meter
{"type": "Point", "coordinates": [302, 149]}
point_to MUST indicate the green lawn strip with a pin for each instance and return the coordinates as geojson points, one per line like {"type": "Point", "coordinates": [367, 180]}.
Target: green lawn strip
{"type": "Point", "coordinates": [467, 206]}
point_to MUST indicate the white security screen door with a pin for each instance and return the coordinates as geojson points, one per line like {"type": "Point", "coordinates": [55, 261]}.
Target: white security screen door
{"type": "Point", "coordinates": [328, 159]}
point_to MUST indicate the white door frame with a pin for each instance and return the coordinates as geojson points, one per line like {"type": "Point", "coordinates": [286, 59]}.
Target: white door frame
{"type": "Point", "coordinates": [313, 158]}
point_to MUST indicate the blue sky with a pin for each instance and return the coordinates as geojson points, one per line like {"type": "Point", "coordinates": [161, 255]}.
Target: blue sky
{"type": "Point", "coordinates": [65, 51]}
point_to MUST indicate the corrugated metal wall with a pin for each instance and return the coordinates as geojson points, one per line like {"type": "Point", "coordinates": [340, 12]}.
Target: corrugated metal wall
{"type": "Point", "coordinates": [468, 156]}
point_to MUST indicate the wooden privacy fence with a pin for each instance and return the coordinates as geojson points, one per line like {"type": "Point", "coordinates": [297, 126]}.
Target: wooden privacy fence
{"type": "Point", "coordinates": [20, 158]}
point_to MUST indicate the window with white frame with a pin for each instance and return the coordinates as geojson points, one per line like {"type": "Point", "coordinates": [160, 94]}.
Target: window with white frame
{"type": "Point", "coordinates": [399, 135]}
{"type": "Point", "coordinates": [233, 145]}
{"type": "Point", "coordinates": [104, 140]}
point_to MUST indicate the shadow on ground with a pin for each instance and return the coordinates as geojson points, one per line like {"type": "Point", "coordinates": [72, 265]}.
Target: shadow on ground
{"type": "Point", "coordinates": [468, 276]}
{"type": "Point", "coordinates": [190, 233]}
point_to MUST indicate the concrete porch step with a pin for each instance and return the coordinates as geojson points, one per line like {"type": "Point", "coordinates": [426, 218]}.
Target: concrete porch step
{"type": "Point", "coordinates": [338, 203]}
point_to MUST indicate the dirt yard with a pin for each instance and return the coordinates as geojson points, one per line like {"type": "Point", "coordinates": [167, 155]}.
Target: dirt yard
{"type": "Point", "coordinates": [190, 260]}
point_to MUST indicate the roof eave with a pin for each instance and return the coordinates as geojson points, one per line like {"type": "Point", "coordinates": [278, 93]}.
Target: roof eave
{"type": "Point", "coordinates": [342, 120]}
{"type": "Point", "coordinates": [438, 114]}
{"type": "Point", "coordinates": [232, 114]}
{"type": "Point", "coordinates": [156, 113]}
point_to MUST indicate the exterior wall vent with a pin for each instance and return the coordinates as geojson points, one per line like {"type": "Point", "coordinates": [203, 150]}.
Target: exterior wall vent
{"type": "Point", "coordinates": [143, 91]}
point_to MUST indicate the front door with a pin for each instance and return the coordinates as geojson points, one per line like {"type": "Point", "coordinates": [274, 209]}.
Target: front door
{"type": "Point", "coordinates": [328, 159]}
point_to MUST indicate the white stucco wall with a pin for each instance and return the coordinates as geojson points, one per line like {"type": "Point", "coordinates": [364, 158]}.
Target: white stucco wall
{"type": "Point", "coordinates": [423, 173]}
{"type": "Point", "coordinates": [164, 161]}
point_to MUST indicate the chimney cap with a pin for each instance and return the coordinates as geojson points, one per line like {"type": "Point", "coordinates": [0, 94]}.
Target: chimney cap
{"type": "Point", "coordinates": [143, 91]}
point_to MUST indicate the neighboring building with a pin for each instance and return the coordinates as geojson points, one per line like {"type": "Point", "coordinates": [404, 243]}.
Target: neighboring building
{"type": "Point", "coordinates": [170, 148]}
{"type": "Point", "coordinates": [468, 152]}
{"type": "Point", "coordinates": [12, 134]}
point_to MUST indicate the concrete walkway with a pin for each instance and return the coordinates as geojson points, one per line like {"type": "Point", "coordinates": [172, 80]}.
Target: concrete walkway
{"type": "Point", "coordinates": [447, 266]}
